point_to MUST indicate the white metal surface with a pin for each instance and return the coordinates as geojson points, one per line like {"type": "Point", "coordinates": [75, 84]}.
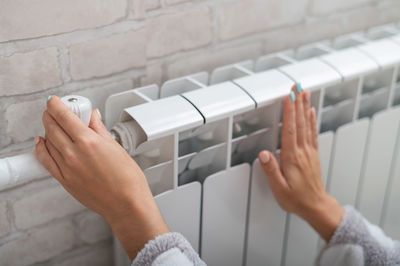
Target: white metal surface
{"type": "Point", "coordinates": [160, 177]}
{"type": "Point", "coordinates": [117, 102]}
{"type": "Point", "coordinates": [396, 38]}
{"type": "Point", "coordinates": [347, 159]}
{"type": "Point", "coordinates": [163, 117]}
{"type": "Point", "coordinates": [391, 219]}
{"type": "Point", "coordinates": [385, 52]}
{"type": "Point", "coordinates": [312, 74]}
{"type": "Point", "coordinates": [181, 85]}
{"type": "Point", "coordinates": [350, 63]}
{"type": "Point", "coordinates": [219, 101]}
{"type": "Point", "coordinates": [302, 243]}
{"type": "Point", "coordinates": [325, 142]}
{"type": "Point", "coordinates": [266, 227]}
{"type": "Point", "coordinates": [181, 211]}
{"type": "Point", "coordinates": [272, 61]}
{"type": "Point", "coordinates": [377, 163]}
{"type": "Point", "coordinates": [266, 87]}
{"type": "Point", "coordinates": [224, 216]}
{"type": "Point", "coordinates": [231, 72]}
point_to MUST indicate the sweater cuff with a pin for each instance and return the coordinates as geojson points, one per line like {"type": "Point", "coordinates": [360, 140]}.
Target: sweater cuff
{"type": "Point", "coordinates": [163, 243]}
{"type": "Point", "coordinates": [354, 230]}
{"type": "Point", "coordinates": [351, 230]}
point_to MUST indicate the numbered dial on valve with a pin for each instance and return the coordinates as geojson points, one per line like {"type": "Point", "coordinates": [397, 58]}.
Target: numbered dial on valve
{"type": "Point", "coordinates": [81, 106]}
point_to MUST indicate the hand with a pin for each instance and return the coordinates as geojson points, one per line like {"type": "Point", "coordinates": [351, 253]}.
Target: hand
{"type": "Point", "coordinates": [297, 183]}
{"type": "Point", "coordinates": [100, 174]}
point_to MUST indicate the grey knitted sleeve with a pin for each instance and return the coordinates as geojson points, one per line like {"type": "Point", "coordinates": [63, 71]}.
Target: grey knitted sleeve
{"type": "Point", "coordinates": [357, 242]}
{"type": "Point", "coordinates": [163, 243]}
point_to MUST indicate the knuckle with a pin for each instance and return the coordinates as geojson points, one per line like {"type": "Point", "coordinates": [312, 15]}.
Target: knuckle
{"type": "Point", "coordinates": [301, 124]}
{"type": "Point", "coordinates": [297, 157]}
{"type": "Point", "coordinates": [86, 142]}
{"type": "Point", "coordinates": [291, 130]}
{"type": "Point", "coordinates": [70, 157]}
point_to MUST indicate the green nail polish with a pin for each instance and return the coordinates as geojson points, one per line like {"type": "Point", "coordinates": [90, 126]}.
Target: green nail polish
{"type": "Point", "coordinates": [48, 99]}
{"type": "Point", "coordinates": [299, 88]}
{"type": "Point", "coordinates": [292, 96]}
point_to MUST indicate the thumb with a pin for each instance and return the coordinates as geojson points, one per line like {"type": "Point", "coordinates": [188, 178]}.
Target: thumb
{"type": "Point", "coordinates": [272, 170]}
{"type": "Point", "coordinates": [97, 125]}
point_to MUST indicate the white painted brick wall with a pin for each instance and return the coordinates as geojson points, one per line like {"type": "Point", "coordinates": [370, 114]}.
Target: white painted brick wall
{"type": "Point", "coordinates": [29, 72]}
{"type": "Point", "coordinates": [101, 57]}
{"type": "Point", "coordinates": [38, 245]}
{"type": "Point", "coordinates": [92, 227]}
{"type": "Point", "coordinates": [173, 2]}
{"type": "Point", "coordinates": [44, 206]}
{"type": "Point", "coordinates": [101, 256]}
{"type": "Point", "coordinates": [181, 31]}
{"type": "Point", "coordinates": [99, 47]}
{"type": "Point", "coordinates": [245, 17]}
{"type": "Point", "coordinates": [22, 119]}
{"type": "Point", "coordinates": [22, 19]}
{"type": "Point", "coordinates": [4, 223]}
{"type": "Point", "coordinates": [322, 7]}
{"type": "Point", "coordinates": [208, 60]}
{"type": "Point", "coordinates": [139, 7]}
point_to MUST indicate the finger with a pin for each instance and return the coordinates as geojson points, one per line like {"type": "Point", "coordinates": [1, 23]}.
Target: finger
{"type": "Point", "coordinates": [300, 121]}
{"type": "Point", "coordinates": [306, 106]}
{"type": "Point", "coordinates": [314, 127]}
{"type": "Point", "coordinates": [44, 157]}
{"type": "Point", "coordinates": [55, 133]}
{"type": "Point", "coordinates": [55, 154]}
{"type": "Point", "coordinates": [288, 133]}
{"type": "Point", "coordinates": [97, 125]}
{"type": "Point", "coordinates": [272, 171]}
{"type": "Point", "coordinates": [68, 121]}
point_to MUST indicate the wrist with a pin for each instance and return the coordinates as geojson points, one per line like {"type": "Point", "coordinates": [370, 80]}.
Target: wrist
{"type": "Point", "coordinates": [137, 223]}
{"type": "Point", "coordinates": [324, 216]}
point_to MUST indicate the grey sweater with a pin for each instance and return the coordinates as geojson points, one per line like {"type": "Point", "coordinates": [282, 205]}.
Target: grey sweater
{"type": "Point", "coordinates": [355, 242]}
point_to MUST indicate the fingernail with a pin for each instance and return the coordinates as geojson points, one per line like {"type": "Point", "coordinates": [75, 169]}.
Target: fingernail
{"type": "Point", "coordinates": [264, 157]}
{"type": "Point", "coordinates": [292, 96]}
{"type": "Point", "coordinates": [48, 99]}
{"type": "Point", "coordinates": [98, 112]}
{"type": "Point", "coordinates": [299, 88]}
{"type": "Point", "coordinates": [37, 140]}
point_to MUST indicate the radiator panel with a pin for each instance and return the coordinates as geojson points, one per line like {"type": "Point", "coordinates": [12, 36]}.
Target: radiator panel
{"type": "Point", "coordinates": [181, 211]}
{"type": "Point", "coordinates": [381, 143]}
{"type": "Point", "coordinates": [391, 219]}
{"type": "Point", "coordinates": [347, 161]}
{"type": "Point", "coordinates": [225, 197]}
{"type": "Point", "coordinates": [265, 243]}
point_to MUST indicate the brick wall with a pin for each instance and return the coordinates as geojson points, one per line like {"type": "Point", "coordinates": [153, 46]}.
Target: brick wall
{"type": "Point", "coordinates": [99, 47]}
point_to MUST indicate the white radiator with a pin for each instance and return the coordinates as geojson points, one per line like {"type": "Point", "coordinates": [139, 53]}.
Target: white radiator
{"type": "Point", "coordinates": [200, 134]}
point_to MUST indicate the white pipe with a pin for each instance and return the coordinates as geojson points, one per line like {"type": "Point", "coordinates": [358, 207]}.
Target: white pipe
{"type": "Point", "coordinates": [21, 167]}
{"type": "Point", "coordinates": [26, 166]}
